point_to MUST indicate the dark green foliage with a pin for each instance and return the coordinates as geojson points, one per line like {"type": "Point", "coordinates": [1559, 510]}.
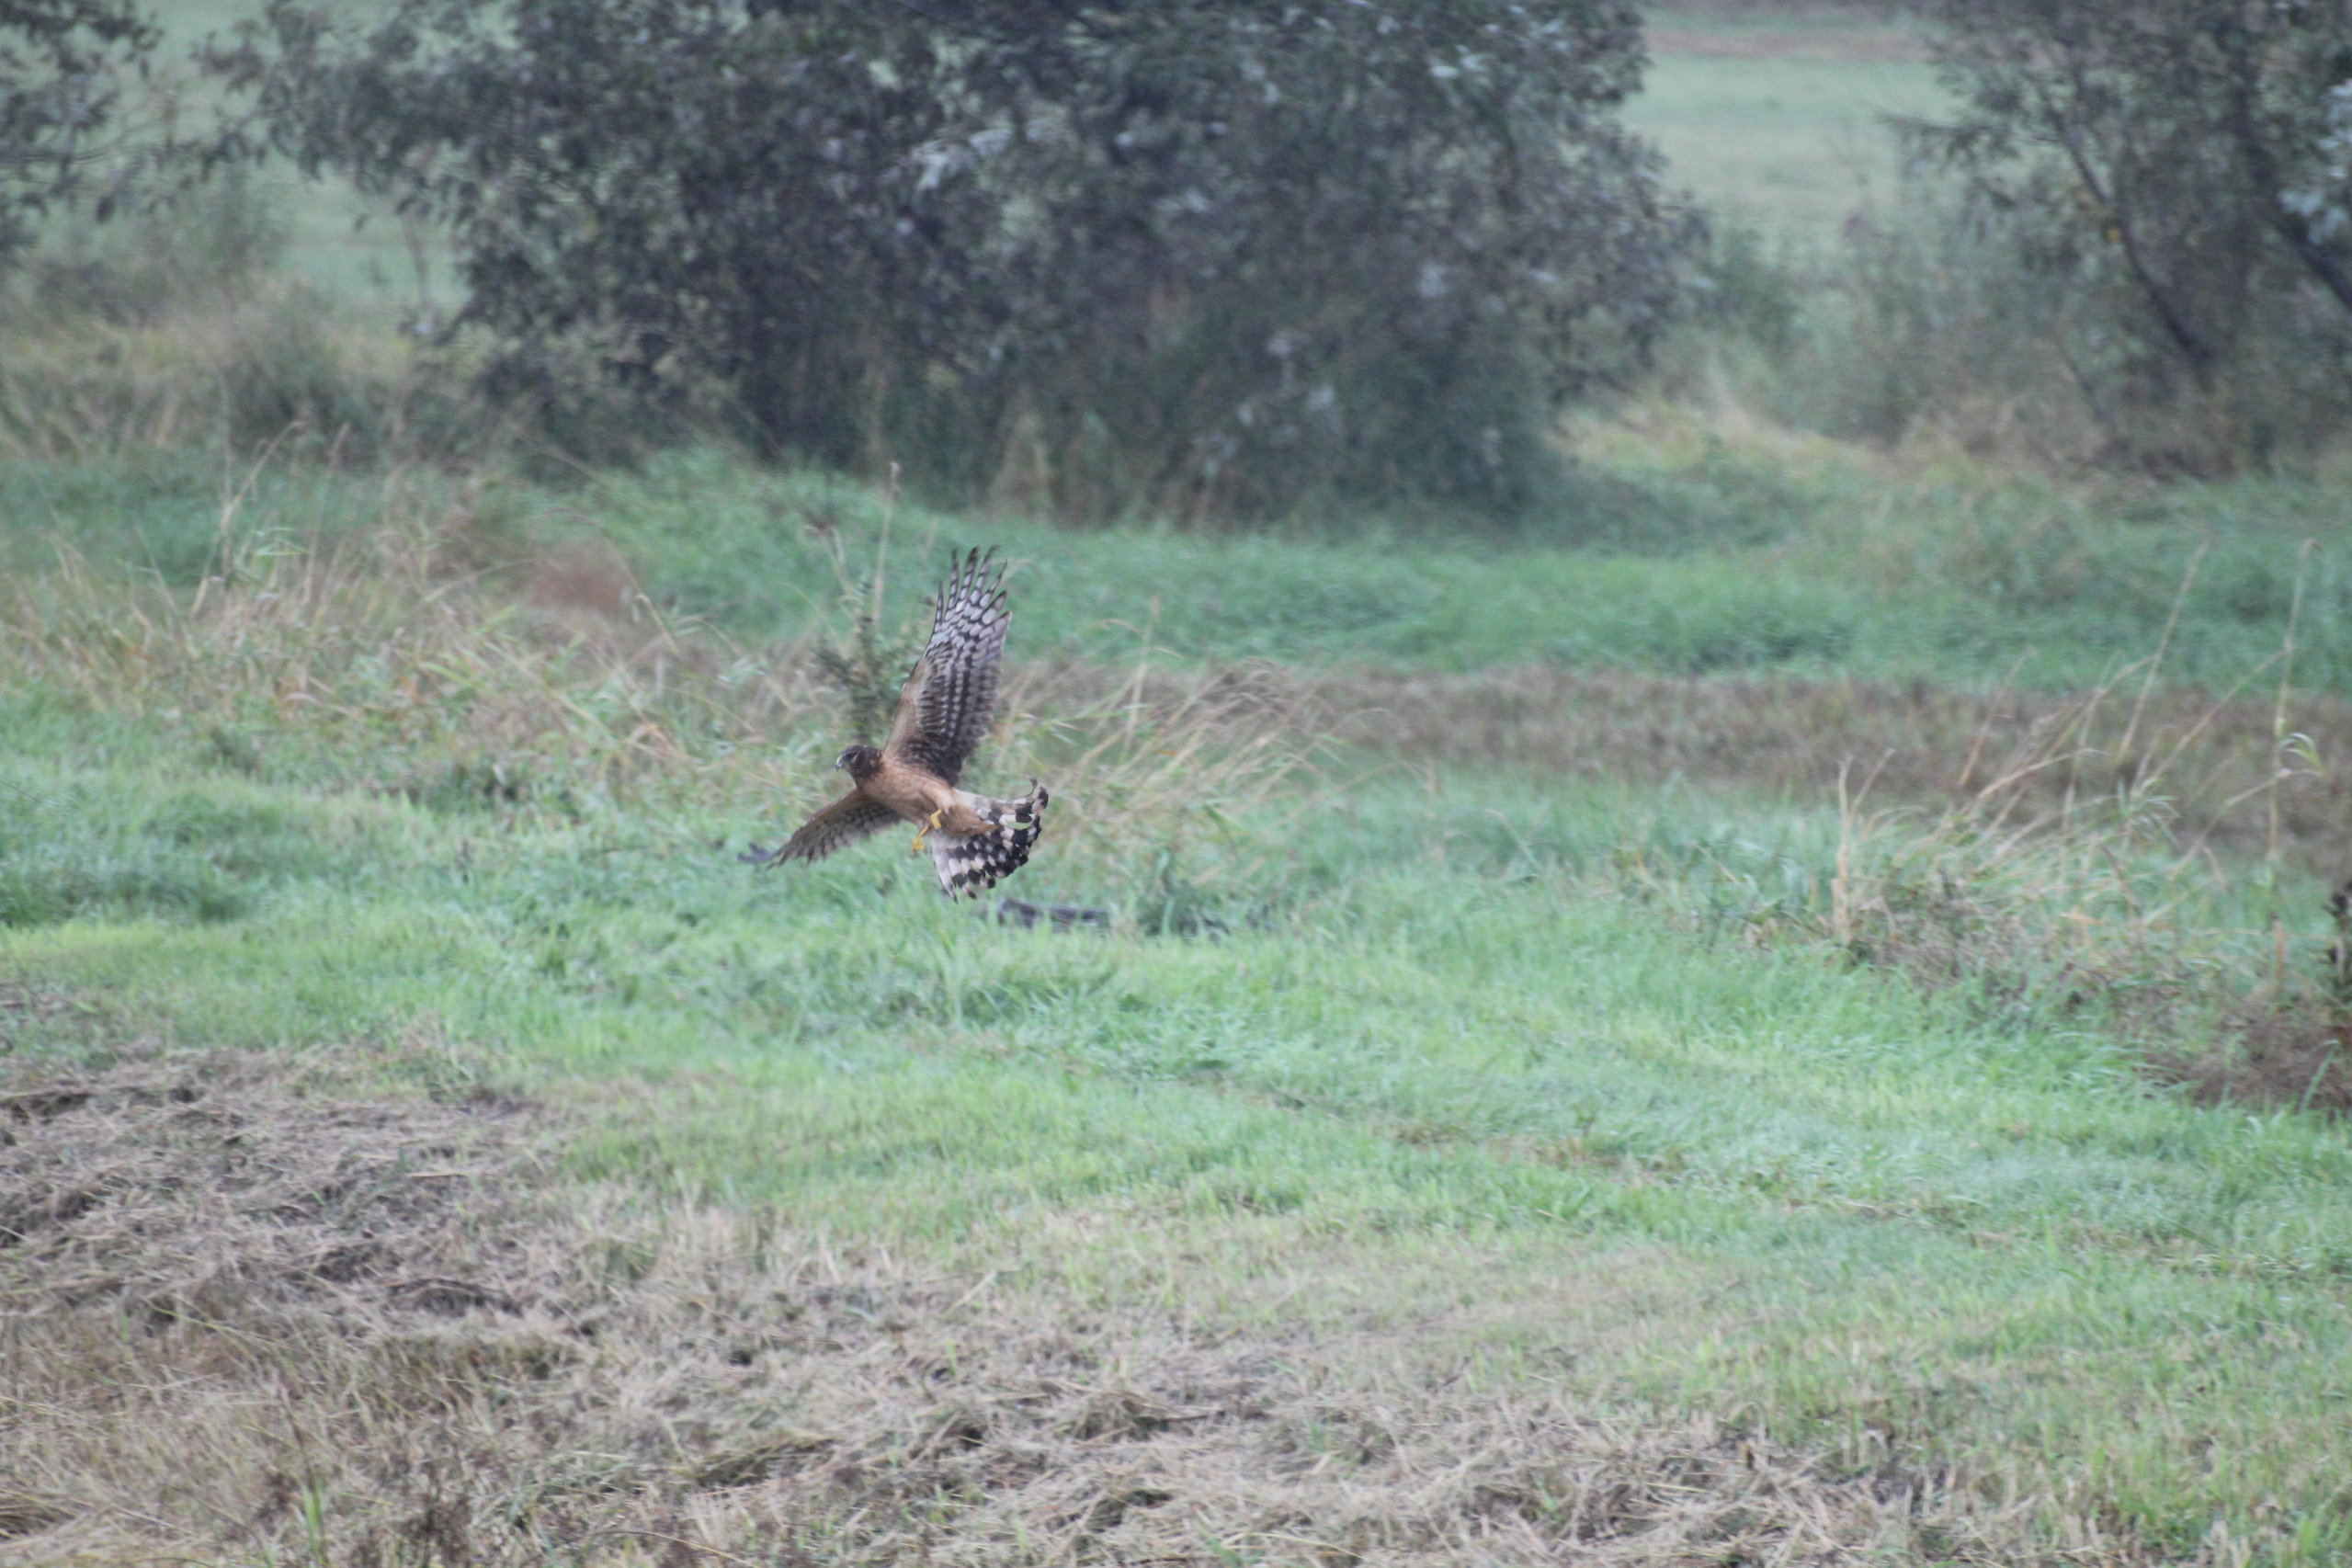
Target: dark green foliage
{"type": "Point", "coordinates": [2175, 173]}
{"type": "Point", "coordinates": [1232, 259]}
{"type": "Point", "coordinates": [61, 63]}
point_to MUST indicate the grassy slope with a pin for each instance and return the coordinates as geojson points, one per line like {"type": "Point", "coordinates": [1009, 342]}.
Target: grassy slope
{"type": "Point", "coordinates": [1452, 1089]}
{"type": "Point", "coordinates": [1514, 1112]}
{"type": "Point", "coordinates": [1954, 580]}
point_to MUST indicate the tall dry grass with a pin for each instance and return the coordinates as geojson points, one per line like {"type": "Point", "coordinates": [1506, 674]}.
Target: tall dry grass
{"type": "Point", "coordinates": [257, 370]}
{"type": "Point", "coordinates": [430, 655]}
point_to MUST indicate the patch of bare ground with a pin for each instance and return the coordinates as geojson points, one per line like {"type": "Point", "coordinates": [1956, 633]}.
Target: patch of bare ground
{"type": "Point", "coordinates": [1917, 739]}
{"type": "Point", "coordinates": [256, 1310]}
{"type": "Point", "coordinates": [2221, 764]}
{"type": "Point", "coordinates": [2297, 1056]}
{"type": "Point", "coordinates": [2292, 1050]}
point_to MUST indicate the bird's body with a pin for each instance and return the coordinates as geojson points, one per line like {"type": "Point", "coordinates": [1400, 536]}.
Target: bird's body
{"type": "Point", "coordinates": [944, 713]}
{"type": "Point", "coordinates": [914, 793]}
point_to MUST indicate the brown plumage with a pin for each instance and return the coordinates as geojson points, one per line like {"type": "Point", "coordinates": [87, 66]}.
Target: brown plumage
{"type": "Point", "coordinates": [944, 713]}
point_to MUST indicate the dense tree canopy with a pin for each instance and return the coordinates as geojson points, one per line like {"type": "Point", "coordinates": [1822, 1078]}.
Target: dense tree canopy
{"type": "Point", "coordinates": [1227, 257]}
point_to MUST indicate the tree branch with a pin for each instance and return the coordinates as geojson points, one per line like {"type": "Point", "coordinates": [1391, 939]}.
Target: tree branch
{"type": "Point", "coordinates": [2192, 346]}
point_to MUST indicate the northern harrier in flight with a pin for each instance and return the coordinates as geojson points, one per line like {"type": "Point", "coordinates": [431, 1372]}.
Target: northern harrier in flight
{"type": "Point", "coordinates": [943, 713]}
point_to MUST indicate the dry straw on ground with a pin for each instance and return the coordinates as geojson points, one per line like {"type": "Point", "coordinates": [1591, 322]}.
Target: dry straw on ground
{"type": "Point", "coordinates": [261, 1309]}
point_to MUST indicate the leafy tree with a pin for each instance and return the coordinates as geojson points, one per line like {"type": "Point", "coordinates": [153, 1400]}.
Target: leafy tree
{"type": "Point", "coordinates": [2172, 166]}
{"type": "Point", "coordinates": [61, 66]}
{"type": "Point", "coordinates": [1229, 258]}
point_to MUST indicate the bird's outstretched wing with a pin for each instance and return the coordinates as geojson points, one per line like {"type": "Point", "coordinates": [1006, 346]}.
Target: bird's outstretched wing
{"type": "Point", "coordinates": [947, 703]}
{"type": "Point", "coordinates": [840, 825]}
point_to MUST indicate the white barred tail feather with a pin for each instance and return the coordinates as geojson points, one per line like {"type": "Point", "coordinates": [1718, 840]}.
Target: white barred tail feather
{"type": "Point", "coordinates": [969, 866]}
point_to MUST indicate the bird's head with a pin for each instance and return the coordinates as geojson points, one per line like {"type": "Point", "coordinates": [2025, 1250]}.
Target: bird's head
{"type": "Point", "coordinates": [862, 762]}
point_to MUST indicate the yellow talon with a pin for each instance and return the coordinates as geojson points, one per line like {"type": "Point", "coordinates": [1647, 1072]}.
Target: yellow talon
{"type": "Point", "coordinates": [926, 828]}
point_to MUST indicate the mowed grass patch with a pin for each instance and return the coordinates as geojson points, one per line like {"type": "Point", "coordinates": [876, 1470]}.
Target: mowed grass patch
{"type": "Point", "coordinates": [277, 1305]}
{"type": "Point", "coordinates": [1772, 115]}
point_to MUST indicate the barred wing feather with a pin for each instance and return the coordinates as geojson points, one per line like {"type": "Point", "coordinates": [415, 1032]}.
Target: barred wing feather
{"type": "Point", "coordinates": [948, 702]}
{"type": "Point", "coordinates": [837, 826]}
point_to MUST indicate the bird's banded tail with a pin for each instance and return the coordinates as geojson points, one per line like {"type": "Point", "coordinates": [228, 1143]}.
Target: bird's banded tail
{"type": "Point", "coordinates": [970, 866]}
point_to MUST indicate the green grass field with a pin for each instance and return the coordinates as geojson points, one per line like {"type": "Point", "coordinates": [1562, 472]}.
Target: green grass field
{"type": "Point", "coordinates": [1778, 1013]}
{"type": "Point", "coordinates": [1444, 1075]}
{"type": "Point", "coordinates": [1773, 117]}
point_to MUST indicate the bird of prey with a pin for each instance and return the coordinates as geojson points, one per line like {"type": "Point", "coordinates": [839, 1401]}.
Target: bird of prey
{"type": "Point", "coordinates": [943, 714]}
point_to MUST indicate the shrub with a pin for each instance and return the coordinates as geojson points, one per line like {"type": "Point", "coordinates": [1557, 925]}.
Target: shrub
{"type": "Point", "coordinates": [1230, 260]}
{"type": "Point", "coordinates": [1928, 325]}
{"type": "Point", "coordinates": [175, 326]}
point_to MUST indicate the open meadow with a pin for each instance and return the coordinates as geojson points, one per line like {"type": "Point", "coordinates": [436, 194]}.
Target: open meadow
{"type": "Point", "coordinates": [1786, 1011]}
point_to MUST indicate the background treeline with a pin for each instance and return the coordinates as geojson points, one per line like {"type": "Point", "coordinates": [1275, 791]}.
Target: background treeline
{"type": "Point", "coordinates": [1234, 259]}
{"type": "Point", "coordinates": [1229, 261]}
{"type": "Point", "coordinates": [2126, 245]}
